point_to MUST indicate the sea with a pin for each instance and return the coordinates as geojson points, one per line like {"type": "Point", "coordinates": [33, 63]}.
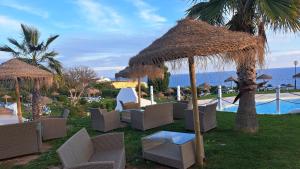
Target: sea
{"type": "Point", "coordinates": [279, 76]}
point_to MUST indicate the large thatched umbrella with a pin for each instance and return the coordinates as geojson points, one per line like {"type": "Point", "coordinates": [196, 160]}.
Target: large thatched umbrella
{"type": "Point", "coordinates": [191, 38]}
{"type": "Point", "coordinates": [6, 97]}
{"type": "Point", "coordinates": [15, 70]}
{"type": "Point", "coordinates": [138, 72]}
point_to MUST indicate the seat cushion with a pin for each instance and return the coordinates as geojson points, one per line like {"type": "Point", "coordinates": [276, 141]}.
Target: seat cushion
{"type": "Point", "coordinates": [117, 155]}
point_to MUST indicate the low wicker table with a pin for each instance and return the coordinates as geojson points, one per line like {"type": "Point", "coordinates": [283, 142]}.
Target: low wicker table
{"type": "Point", "coordinates": [173, 149]}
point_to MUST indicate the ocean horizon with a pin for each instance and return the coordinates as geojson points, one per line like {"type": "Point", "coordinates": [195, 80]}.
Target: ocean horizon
{"type": "Point", "coordinates": [279, 76]}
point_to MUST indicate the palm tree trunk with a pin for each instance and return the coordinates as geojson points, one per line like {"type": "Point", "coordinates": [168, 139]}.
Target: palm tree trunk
{"type": "Point", "coordinates": [36, 107]}
{"type": "Point", "coordinates": [246, 120]}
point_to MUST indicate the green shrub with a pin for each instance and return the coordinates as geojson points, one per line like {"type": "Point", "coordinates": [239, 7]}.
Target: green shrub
{"type": "Point", "coordinates": [111, 93]}
{"type": "Point", "coordinates": [62, 98]}
{"type": "Point", "coordinates": [82, 101]}
{"type": "Point", "coordinates": [108, 104]}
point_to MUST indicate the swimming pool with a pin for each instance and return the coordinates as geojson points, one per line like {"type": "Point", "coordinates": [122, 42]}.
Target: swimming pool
{"type": "Point", "coordinates": [270, 108]}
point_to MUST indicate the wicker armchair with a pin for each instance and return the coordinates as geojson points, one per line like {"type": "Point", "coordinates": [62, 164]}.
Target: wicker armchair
{"type": "Point", "coordinates": [55, 126]}
{"type": "Point", "coordinates": [207, 117]}
{"type": "Point", "coordinates": [127, 108]}
{"type": "Point", "coordinates": [178, 109]}
{"type": "Point", "coordinates": [20, 139]}
{"type": "Point", "coordinates": [104, 121]}
{"type": "Point", "coordinates": [105, 151]}
{"type": "Point", "coordinates": [153, 116]}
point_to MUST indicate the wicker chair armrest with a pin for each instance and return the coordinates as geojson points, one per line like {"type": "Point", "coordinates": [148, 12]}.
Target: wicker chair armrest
{"type": "Point", "coordinates": [93, 165]}
{"type": "Point", "coordinates": [108, 141]}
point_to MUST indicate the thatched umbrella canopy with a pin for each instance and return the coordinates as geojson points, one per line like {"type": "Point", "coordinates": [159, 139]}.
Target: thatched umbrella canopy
{"type": "Point", "coordinates": [296, 75]}
{"type": "Point", "coordinates": [6, 97]}
{"type": "Point", "coordinates": [231, 79]}
{"type": "Point", "coordinates": [264, 77]}
{"type": "Point", "coordinates": [193, 38]}
{"type": "Point", "coordinates": [140, 71]}
{"type": "Point", "coordinates": [92, 91]}
{"type": "Point", "coordinates": [205, 86]}
{"type": "Point", "coordinates": [15, 70]}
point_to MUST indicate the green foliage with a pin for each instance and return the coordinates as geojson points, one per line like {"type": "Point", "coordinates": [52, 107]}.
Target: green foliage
{"type": "Point", "coordinates": [82, 101]}
{"type": "Point", "coordinates": [110, 93]}
{"type": "Point", "coordinates": [160, 85]}
{"type": "Point", "coordinates": [104, 85]}
{"type": "Point", "coordinates": [108, 104]}
{"type": "Point", "coordinates": [62, 98]}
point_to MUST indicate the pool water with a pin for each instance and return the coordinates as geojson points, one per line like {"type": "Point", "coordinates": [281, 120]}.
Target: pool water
{"type": "Point", "coordinates": [270, 108]}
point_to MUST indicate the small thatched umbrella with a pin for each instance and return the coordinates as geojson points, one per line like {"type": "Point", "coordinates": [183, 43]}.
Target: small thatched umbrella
{"type": "Point", "coordinates": [15, 70]}
{"type": "Point", "coordinates": [191, 38]}
{"type": "Point", "coordinates": [264, 77]}
{"type": "Point", "coordinates": [296, 75]}
{"type": "Point", "coordinates": [231, 79]}
{"type": "Point", "coordinates": [6, 97]}
{"type": "Point", "coordinates": [138, 72]}
{"type": "Point", "coordinates": [205, 87]}
{"type": "Point", "coordinates": [92, 91]}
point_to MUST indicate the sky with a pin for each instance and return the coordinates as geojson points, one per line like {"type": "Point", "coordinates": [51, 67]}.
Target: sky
{"type": "Point", "coordinates": [104, 34]}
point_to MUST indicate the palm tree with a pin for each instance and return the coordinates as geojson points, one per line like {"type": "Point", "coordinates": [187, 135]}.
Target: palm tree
{"type": "Point", "coordinates": [251, 16]}
{"type": "Point", "coordinates": [34, 52]}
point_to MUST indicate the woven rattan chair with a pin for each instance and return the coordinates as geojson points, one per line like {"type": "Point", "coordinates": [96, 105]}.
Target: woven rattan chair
{"type": "Point", "coordinates": [178, 109]}
{"type": "Point", "coordinates": [127, 108]}
{"type": "Point", "coordinates": [55, 126]}
{"type": "Point", "coordinates": [153, 116]}
{"type": "Point", "coordinates": [207, 117]}
{"type": "Point", "coordinates": [104, 121]}
{"type": "Point", "coordinates": [105, 151]}
{"type": "Point", "coordinates": [20, 139]}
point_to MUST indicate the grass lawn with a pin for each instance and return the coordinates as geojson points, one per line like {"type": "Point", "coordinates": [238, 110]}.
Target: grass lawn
{"type": "Point", "coordinates": [276, 145]}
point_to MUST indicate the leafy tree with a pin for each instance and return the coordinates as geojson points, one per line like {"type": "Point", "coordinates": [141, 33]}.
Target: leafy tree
{"type": "Point", "coordinates": [77, 80]}
{"type": "Point", "coordinates": [251, 16]}
{"type": "Point", "coordinates": [31, 50]}
{"type": "Point", "coordinates": [160, 85]}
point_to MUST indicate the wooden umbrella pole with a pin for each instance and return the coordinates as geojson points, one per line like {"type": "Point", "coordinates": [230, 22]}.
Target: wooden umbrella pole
{"type": "Point", "coordinates": [18, 98]}
{"type": "Point", "coordinates": [139, 90]}
{"type": "Point", "coordinates": [199, 138]}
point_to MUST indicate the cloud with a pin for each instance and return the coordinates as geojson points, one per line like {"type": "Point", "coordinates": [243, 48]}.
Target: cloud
{"type": "Point", "coordinates": [148, 13]}
{"type": "Point", "coordinates": [115, 68]}
{"type": "Point", "coordinates": [24, 8]}
{"type": "Point", "coordinates": [9, 24]}
{"type": "Point", "coordinates": [101, 16]}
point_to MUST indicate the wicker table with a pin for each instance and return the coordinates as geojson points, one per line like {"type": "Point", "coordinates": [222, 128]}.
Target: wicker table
{"type": "Point", "coordinates": [170, 148]}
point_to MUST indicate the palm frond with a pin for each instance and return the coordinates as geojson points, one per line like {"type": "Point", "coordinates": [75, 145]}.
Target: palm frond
{"type": "Point", "coordinates": [48, 55]}
{"type": "Point", "coordinates": [212, 11]}
{"type": "Point", "coordinates": [8, 49]}
{"type": "Point", "coordinates": [50, 40]}
{"type": "Point", "coordinates": [281, 14]}
{"type": "Point", "coordinates": [20, 46]}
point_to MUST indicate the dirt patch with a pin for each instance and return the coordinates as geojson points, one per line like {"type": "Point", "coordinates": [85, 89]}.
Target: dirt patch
{"type": "Point", "coordinates": [24, 159]}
